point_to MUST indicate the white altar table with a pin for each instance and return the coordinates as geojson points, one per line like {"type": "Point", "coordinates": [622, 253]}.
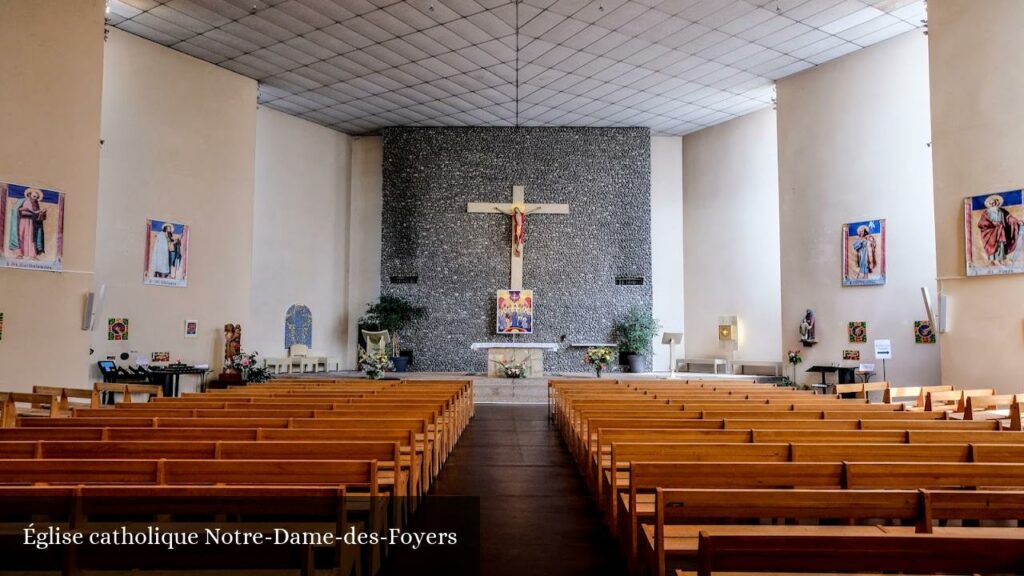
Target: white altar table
{"type": "Point", "coordinates": [530, 353]}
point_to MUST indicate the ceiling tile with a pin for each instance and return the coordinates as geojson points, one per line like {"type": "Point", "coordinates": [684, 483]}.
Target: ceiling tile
{"type": "Point", "coordinates": [671, 65]}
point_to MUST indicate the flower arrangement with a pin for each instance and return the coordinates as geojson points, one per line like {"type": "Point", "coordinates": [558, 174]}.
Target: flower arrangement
{"type": "Point", "coordinates": [598, 358]}
{"type": "Point", "coordinates": [250, 367]}
{"type": "Point", "coordinates": [515, 368]}
{"type": "Point", "coordinates": [794, 359]}
{"type": "Point", "coordinates": [376, 364]}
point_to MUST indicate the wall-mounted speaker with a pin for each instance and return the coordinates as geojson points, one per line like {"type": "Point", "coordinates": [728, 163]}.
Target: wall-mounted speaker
{"type": "Point", "coordinates": [88, 315]}
{"type": "Point", "coordinates": [91, 305]}
{"type": "Point", "coordinates": [943, 313]}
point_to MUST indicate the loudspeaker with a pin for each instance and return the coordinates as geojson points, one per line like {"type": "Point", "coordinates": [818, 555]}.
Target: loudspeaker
{"type": "Point", "coordinates": [943, 313]}
{"type": "Point", "coordinates": [87, 312]}
{"type": "Point", "coordinates": [91, 305]}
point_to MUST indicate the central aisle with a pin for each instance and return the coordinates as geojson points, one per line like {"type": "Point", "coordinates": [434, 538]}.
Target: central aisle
{"type": "Point", "coordinates": [536, 517]}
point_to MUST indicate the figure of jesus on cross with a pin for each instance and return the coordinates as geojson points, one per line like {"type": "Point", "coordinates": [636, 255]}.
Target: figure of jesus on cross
{"type": "Point", "coordinates": [518, 210]}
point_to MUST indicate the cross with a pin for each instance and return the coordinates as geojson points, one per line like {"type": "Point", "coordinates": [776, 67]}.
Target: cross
{"type": "Point", "coordinates": [518, 210]}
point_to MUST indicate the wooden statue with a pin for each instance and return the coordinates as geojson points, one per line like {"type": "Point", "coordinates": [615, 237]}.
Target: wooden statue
{"type": "Point", "coordinates": [232, 342]}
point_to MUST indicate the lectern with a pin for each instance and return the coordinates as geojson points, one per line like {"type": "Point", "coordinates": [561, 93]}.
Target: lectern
{"type": "Point", "coordinates": [672, 338]}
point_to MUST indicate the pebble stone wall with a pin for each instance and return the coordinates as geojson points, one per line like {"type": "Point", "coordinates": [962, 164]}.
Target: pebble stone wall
{"type": "Point", "coordinates": [461, 259]}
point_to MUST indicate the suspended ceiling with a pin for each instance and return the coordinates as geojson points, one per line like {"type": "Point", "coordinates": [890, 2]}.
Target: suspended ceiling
{"type": "Point", "coordinates": [675, 66]}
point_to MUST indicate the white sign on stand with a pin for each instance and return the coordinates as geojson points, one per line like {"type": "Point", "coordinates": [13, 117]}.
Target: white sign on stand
{"type": "Point", "coordinates": [883, 350]}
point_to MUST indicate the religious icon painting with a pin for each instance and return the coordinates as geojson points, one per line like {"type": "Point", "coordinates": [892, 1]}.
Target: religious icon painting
{"type": "Point", "coordinates": [117, 329]}
{"type": "Point", "coordinates": [923, 333]}
{"type": "Point", "coordinates": [864, 253]}
{"type": "Point", "coordinates": [515, 312]}
{"type": "Point", "coordinates": [160, 357]}
{"type": "Point", "coordinates": [32, 224]}
{"type": "Point", "coordinates": [992, 228]}
{"type": "Point", "coordinates": [191, 328]}
{"type": "Point", "coordinates": [858, 332]}
{"type": "Point", "coordinates": [851, 355]}
{"type": "Point", "coordinates": [166, 254]}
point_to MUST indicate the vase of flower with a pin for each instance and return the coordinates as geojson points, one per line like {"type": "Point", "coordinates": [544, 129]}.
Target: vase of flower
{"type": "Point", "coordinates": [514, 369]}
{"type": "Point", "coordinates": [598, 359]}
{"type": "Point", "coordinates": [249, 367]}
{"type": "Point", "coordinates": [794, 359]}
{"type": "Point", "coordinates": [374, 365]}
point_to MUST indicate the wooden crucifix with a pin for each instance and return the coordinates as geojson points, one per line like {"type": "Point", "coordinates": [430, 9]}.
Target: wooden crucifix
{"type": "Point", "coordinates": [518, 210]}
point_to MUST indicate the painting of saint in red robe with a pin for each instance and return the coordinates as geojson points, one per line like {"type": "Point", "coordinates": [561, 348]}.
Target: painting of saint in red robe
{"type": "Point", "coordinates": [32, 221]}
{"type": "Point", "coordinates": [993, 231]}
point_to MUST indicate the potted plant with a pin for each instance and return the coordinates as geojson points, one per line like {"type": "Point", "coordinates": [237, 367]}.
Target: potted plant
{"type": "Point", "coordinates": [394, 314]}
{"type": "Point", "coordinates": [598, 358]}
{"type": "Point", "coordinates": [634, 334]}
{"type": "Point", "coordinates": [374, 365]}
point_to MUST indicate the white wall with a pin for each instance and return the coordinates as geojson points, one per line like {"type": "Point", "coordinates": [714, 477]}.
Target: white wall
{"type": "Point", "coordinates": [179, 145]}
{"type": "Point", "coordinates": [364, 231]}
{"type": "Point", "coordinates": [51, 60]}
{"type": "Point", "coordinates": [853, 137]}
{"type": "Point", "coordinates": [977, 80]}
{"type": "Point", "coordinates": [731, 193]}
{"type": "Point", "coordinates": [667, 241]}
{"type": "Point", "coordinates": [300, 232]}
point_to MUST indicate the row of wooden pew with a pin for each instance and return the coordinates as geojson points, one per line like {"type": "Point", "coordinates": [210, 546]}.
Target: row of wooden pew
{"type": "Point", "coordinates": [966, 404]}
{"type": "Point", "coordinates": [53, 401]}
{"type": "Point", "coordinates": [321, 443]}
{"type": "Point", "coordinates": [719, 476]}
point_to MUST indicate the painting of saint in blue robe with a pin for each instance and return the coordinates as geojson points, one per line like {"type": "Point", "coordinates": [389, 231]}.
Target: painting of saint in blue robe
{"type": "Point", "coordinates": [864, 253]}
{"type": "Point", "coordinates": [515, 312]}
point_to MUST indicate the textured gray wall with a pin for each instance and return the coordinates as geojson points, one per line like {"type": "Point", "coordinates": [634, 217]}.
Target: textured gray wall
{"type": "Point", "coordinates": [462, 259]}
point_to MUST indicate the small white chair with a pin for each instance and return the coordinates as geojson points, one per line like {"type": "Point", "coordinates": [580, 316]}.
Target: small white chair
{"type": "Point", "coordinates": [298, 357]}
{"type": "Point", "coordinates": [331, 364]}
{"type": "Point", "coordinates": [278, 365]}
{"type": "Point", "coordinates": [376, 341]}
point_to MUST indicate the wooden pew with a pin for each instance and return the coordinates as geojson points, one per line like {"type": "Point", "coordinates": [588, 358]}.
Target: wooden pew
{"type": "Point", "coordinates": [71, 397]}
{"type": "Point", "coordinates": [646, 477]}
{"type": "Point", "coordinates": [386, 454]}
{"type": "Point", "coordinates": [918, 393]}
{"type": "Point", "coordinates": [351, 473]}
{"type": "Point", "coordinates": [911, 554]}
{"type": "Point", "coordinates": [682, 514]}
{"type": "Point", "coordinates": [889, 476]}
{"type": "Point", "coordinates": [103, 389]}
{"type": "Point", "coordinates": [28, 405]}
{"type": "Point", "coordinates": [989, 407]}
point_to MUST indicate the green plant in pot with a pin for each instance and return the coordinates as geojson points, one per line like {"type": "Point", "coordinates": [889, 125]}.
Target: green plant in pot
{"type": "Point", "coordinates": [634, 334]}
{"type": "Point", "coordinates": [394, 314]}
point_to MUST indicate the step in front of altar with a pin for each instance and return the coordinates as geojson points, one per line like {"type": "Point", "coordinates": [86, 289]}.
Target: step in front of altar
{"type": "Point", "coordinates": [510, 390]}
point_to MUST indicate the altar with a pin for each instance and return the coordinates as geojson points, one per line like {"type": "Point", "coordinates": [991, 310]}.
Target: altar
{"type": "Point", "coordinates": [529, 353]}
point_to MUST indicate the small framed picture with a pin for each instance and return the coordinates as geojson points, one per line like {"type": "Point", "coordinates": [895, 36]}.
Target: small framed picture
{"type": "Point", "coordinates": [191, 328]}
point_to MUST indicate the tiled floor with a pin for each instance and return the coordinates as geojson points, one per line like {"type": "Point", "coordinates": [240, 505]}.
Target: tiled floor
{"type": "Point", "coordinates": [536, 516]}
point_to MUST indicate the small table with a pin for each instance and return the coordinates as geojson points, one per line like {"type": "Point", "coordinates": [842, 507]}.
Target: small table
{"type": "Point", "coordinates": [170, 377]}
{"type": "Point", "coordinates": [823, 370]}
{"type": "Point", "coordinates": [713, 362]}
{"type": "Point", "coordinates": [530, 353]}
